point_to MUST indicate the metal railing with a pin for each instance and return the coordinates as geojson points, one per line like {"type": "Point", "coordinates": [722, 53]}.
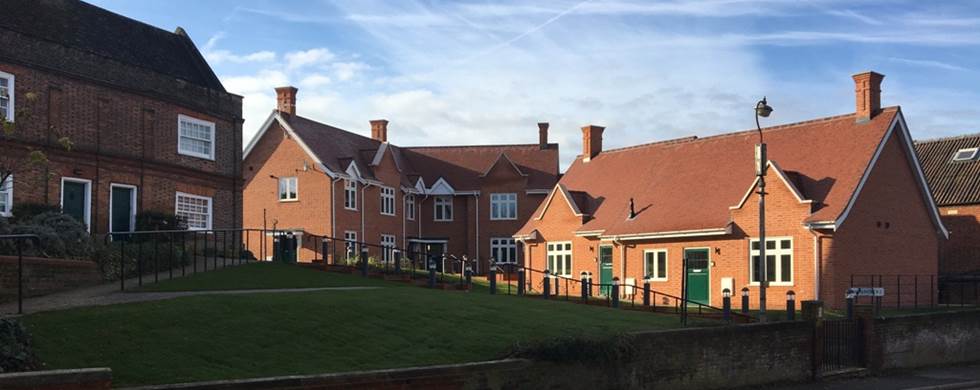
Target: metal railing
{"type": "Point", "coordinates": [902, 291]}
{"type": "Point", "coordinates": [18, 240]}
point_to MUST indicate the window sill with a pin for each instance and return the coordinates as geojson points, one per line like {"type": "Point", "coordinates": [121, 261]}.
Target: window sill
{"type": "Point", "coordinates": [503, 219]}
{"type": "Point", "coordinates": [350, 209]}
{"type": "Point", "coordinates": [442, 220]}
{"type": "Point", "coordinates": [288, 200]}
{"type": "Point", "coordinates": [200, 156]}
{"type": "Point", "coordinates": [388, 215]}
{"type": "Point", "coordinates": [774, 284]}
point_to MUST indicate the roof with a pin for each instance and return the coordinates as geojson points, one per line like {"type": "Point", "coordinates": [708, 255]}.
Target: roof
{"type": "Point", "coordinates": [689, 184]}
{"type": "Point", "coordinates": [96, 31]}
{"type": "Point", "coordinates": [463, 167]}
{"type": "Point", "coordinates": [951, 182]}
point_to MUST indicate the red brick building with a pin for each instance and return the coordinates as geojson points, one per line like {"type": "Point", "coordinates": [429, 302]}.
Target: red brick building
{"type": "Point", "coordinates": [952, 168]}
{"type": "Point", "coordinates": [152, 127]}
{"type": "Point", "coordinates": [313, 178]}
{"type": "Point", "coordinates": [846, 196]}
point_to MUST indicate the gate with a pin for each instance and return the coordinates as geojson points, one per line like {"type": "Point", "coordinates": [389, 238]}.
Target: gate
{"type": "Point", "coordinates": [843, 344]}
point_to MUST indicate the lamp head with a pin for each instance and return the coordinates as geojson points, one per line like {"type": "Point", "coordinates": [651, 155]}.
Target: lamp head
{"type": "Point", "coordinates": [762, 108]}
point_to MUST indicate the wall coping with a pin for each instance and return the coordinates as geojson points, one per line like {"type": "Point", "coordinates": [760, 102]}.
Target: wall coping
{"type": "Point", "coordinates": [950, 313]}
{"type": "Point", "coordinates": [33, 379]}
{"type": "Point", "coordinates": [52, 261]}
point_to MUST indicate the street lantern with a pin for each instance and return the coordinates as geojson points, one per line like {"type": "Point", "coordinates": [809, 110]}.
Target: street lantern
{"type": "Point", "coordinates": [762, 109]}
{"type": "Point", "coordinates": [726, 293]}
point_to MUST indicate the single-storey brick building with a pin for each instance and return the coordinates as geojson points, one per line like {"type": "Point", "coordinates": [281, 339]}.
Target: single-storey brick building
{"type": "Point", "coordinates": [308, 177]}
{"type": "Point", "coordinates": [846, 196]}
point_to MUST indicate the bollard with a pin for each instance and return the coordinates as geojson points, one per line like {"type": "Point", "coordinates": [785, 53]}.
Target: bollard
{"type": "Point", "coordinates": [615, 292]}
{"type": "Point", "coordinates": [850, 304]}
{"type": "Point", "coordinates": [521, 283]}
{"type": "Point", "coordinates": [745, 300]}
{"type": "Point", "coordinates": [590, 285]}
{"type": "Point", "coordinates": [547, 284]}
{"type": "Point", "coordinates": [646, 292]}
{"type": "Point", "coordinates": [469, 276]}
{"type": "Point", "coordinates": [556, 283]}
{"type": "Point", "coordinates": [585, 285]}
{"type": "Point", "coordinates": [364, 261]}
{"type": "Point", "coordinates": [492, 278]}
{"type": "Point", "coordinates": [324, 247]}
{"type": "Point", "coordinates": [432, 273]}
{"type": "Point", "coordinates": [398, 261]}
{"type": "Point", "coordinates": [726, 304]}
{"type": "Point", "coordinates": [790, 305]}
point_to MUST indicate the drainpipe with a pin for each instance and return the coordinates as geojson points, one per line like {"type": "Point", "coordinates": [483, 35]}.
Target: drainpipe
{"type": "Point", "coordinates": [817, 260]}
{"type": "Point", "coordinates": [476, 197]}
{"type": "Point", "coordinates": [622, 252]}
{"type": "Point", "coordinates": [333, 207]}
{"type": "Point", "coordinates": [404, 221]}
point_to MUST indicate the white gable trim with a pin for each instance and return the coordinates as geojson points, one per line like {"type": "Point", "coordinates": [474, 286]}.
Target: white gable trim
{"type": "Point", "coordinates": [353, 172]}
{"type": "Point", "coordinates": [420, 185]}
{"type": "Point", "coordinates": [568, 200]}
{"type": "Point", "coordinates": [380, 154]}
{"type": "Point", "coordinates": [292, 133]}
{"type": "Point", "coordinates": [673, 234]}
{"type": "Point", "coordinates": [782, 176]}
{"type": "Point", "coordinates": [503, 155]}
{"type": "Point", "coordinates": [441, 187]}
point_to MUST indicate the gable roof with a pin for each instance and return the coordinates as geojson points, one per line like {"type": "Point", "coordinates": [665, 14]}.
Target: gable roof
{"type": "Point", "coordinates": [689, 184]}
{"type": "Point", "coordinates": [951, 182]}
{"type": "Point", "coordinates": [463, 166]}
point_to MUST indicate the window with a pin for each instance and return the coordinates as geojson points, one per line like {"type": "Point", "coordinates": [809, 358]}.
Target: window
{"type": "Point", "coordinates": [410, 207]}
{"type": "Point", "coordinates": [350, 194]}
{"type": "Point", "coordinates": [560, 258]}
{"type": "Point", "coordinates": [7, 196]}
{"type": "Point", "coordinates": [503, 250]}
{"type": "Point", "coordinates": [387, 201]}
{"type": "Point", "coordinates": [503, 206]}
{"type": "Point", "coordinates": [655, 265]}
{"type": "Point", "coordinates": [7, 96]}
{"type": "Point", "coordinates": [965, 154]}
{"type": "Point", "coordinates": [388, 243]}
{"type": "Point", "coordinates": [350, 244]}
{"type": "Point", "coordinates": [196, 137]}
{"type": "Point", "coordinates": [196, 210]}
{"type": "Point", "coordinates": [288, 188]}
{"type": "Point", "coordinates": [443, 208]}
{"type": "Point", "coordinates": [779, 261]}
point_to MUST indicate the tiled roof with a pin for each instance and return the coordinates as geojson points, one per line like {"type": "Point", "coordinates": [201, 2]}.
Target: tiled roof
{"type": "Point", "coordinates": [951, 182]}
{"type": "Point", "coordinates": [689, 184]}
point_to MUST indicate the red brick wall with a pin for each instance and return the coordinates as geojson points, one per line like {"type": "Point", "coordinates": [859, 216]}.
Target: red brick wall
{"type": "Point", "coordinates": [961, 253]}
{"type": "Point", "coordinates": [45, 276]}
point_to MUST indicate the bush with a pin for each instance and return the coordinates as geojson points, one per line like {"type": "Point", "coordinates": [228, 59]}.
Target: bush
{"type": "Point", "coordinates": [16, 353]}
{"type": "Point", "coordinates": [73, 234]}
{"type": "Point", "coordinates": [155, 220]}
{"type": "Point", "coordinates": [609, 350]}
{"type": "Point", "coordinates": [61, 236]}
{"type": "Point", "coordinates": [23, 212]}
{"type": "Point", "coordinates": [155, 258]}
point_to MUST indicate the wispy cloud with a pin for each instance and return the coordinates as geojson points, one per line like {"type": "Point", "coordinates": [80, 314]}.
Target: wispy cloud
{"type": "Point", "coordinates": [850, 14]}
{"type": "Point", "coordinates": [927, 63]}
{"type": "Point", "coordinates": [299, 59]}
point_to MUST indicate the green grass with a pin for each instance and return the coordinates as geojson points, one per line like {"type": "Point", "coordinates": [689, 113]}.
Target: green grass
{"type": "Point", "coordinates": [261, 275]}
{"type": "Point", "coordinates": [255, 335]}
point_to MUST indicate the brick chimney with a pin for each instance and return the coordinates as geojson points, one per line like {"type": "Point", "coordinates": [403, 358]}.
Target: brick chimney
{"type": "Point", "coordinates": [867, 94]}
{"type": "Point", "coordinates": [591, 141]}
{"type": "Point", "coordinates": [543, 135]}
{"type": "Point", "coordinates": [379, 130]}
{"type": "Point", "coordinates": [286, 100]}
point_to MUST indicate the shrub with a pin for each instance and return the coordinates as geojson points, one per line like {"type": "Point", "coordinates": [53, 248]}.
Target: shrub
{"type": "Point", "coordinates": [60, 235]}
{"type": "Point", "coordinates": [155, 220]}
{"type": "Point", "coordinates": [155, 258]}
{"type": "Point", "coordinates": [579, 349]}
{"type": "Point", "coordinates": [23, 212]}
{"type": "Point", "coordinates": [16, 353]}
{"type": "Point", "coordinates": [73, 234]}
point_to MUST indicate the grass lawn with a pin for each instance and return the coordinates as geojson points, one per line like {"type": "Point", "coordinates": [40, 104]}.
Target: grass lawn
{"type": "Point", "coordinates": [255, 335]}
{"type": "Point", "coordinates": [261, 275]}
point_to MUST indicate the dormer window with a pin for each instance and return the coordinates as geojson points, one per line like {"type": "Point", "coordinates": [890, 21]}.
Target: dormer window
{"type": "Point", "coordinates": [967, 154]}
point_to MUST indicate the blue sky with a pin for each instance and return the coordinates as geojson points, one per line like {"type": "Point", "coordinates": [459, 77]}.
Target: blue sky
{"type": "Point", "coordinates": [482, 72]}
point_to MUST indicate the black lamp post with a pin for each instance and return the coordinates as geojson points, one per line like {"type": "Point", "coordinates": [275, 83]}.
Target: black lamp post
{"type": "Point", "coordinates": [762, 109]}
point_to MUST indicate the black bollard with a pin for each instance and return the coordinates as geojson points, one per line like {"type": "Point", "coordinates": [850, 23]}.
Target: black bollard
{"type": "Point", "coordinates": [745, 300]}
{"type": "Point", "coordinates": [364, 261]}
{"type": "Point", "coordinates": [324, 247]}
{"type": "Point", "coordinates": [521, 283]}
{"type": "Point", "coordinates": [492, 278]}
{"type": "Point", "coordinates": [646, 293]}
{"type": "Point", "coordinates": [615, 292]}
{"type": "Point", "coordinates": [585, 286]}
{"type": "Point", "coordinates": [432, 273]}
{"type": "Point", "coordinates": [726, 304]}
{"type": "Point", "coordinates": [547, 284]}
{"type": "Point", "coordinates": [469, 276]}
{"type": "Point", "coordinates": [790, 305]}
{"type": "Point", "coordinates": [398, 261]}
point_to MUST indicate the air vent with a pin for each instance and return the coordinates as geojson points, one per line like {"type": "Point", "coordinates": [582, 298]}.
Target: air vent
{"type": "Point", "coordinates": [967, 154]}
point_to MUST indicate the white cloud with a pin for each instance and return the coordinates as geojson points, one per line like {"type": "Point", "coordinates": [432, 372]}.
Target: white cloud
{"type": "Point", "coordinates": [300, 59]}
{"type": "Point", "coordinates": [262, 82]}
{"type": "Point", "coordinates": [315, 80]}
{"type": "Point", "coordinates": [221, 56]}
{"type": "Point", "coordinates": [347, 70]}
{"type": "Point", "coordinates": [927, 63]}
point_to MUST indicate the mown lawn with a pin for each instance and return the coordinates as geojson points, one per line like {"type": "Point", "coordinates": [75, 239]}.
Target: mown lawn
{"type": "Point", "coordinates": [255, 335]}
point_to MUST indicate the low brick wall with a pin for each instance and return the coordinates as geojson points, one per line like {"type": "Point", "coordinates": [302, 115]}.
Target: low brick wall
{"type": "Point", "coordinates": [926, 340]}
{"type": "Point", "coordinates": [45, 276]}
{"type": "Point", "coordinates": [81, 379]}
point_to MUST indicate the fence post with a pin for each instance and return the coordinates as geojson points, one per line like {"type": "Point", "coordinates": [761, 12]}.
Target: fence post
{"type": "Point", "coordinates": [646, 292]}
{"type": "Point", "coordinates": [547, 284]}
{"type": "Point", "coordinates": [492, 277]}
{"type": "Point", "coordinates": [615, 292]}
{"type": "Point", "coordinates": [364, 261]}
{"type": "Point", "coordinates": [20, 276]}
{"type": "Point", "coordinates": [521, 283]}
{"type": "Point", "coordinates": [397, 254]}
{"type": "Point", "coordinates": [790, 305]}
{"type": "Point", "coordinates": [726, 304]}
{"type": "Point", "coordinates": [432, 273]}
{"type": "Point", "coordinates": [850, 303]}
{"type": "Point", "coordinates": [139, 264]}
{"type": "Point", "coordinates": [745, 300]}
{"type": "Point", "coordinates": [585, 290]}
{"type": "Point", "coordinates": [325, 248]}
{"type": "Point", "coordinates": [122, 264]}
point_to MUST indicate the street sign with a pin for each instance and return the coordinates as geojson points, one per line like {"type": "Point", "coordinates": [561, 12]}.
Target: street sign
{"type": "Point", "coordinates": [866, 292]}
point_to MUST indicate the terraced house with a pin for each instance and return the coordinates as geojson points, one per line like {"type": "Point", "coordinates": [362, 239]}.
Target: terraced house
{"type": "Point", "coordinates": [846, 196]}
{"type": "Point", "coordinates": [152, 127]}
{"type": "Point", "coordinates": [315, 179]}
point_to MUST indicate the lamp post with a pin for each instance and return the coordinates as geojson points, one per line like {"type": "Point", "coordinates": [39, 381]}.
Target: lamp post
{"type": "Point", "coordinates": [762, 109]}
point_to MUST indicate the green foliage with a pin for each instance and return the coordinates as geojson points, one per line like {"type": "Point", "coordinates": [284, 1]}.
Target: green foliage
{"type": "Point", "coordinates": [73, 234]}
{"type": "Point", "coordinates": [578, 349]}
{"type": "Point", "coordinates": [155, 220]}
{"type": "Point", "coordinates": [16, 353]}
{"type": "Point", "coordinates": [61, 236]}
{"type": "Point", "coordinates": [23, 212]}
{"type": "Point", "coordinates": [156, 255]}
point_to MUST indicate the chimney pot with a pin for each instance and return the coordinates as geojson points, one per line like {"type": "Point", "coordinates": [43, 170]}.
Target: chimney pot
{"type": "Point", "coordinates": [286, 99]}
{"type": "Point", "coordinates": [591, 141]}
{"type": "Point", "coordinates": [379, 130]}
{"type": "Point", "coordinates": [867, 95]}
{"type": "Point", "coordinates": [543, 135]}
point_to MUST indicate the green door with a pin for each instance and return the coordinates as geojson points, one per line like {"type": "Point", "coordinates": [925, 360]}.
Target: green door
{"type": "Point", "coordinates": [697, 275]}
{"type": "Point", "coordinates": [73, 198]}
{"type": "Point", "coordinates": [605, 268]}
{"type": "Point", "coordinates": [123, 209]}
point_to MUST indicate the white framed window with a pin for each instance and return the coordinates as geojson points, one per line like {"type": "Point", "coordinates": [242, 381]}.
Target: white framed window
{"type": "Point", "coordinates": [410, 207]}
{"type": "Point", "coordinates": [560, 258]}
{"type": "Point", "coordinates": [388, 243]}
{"type": "Point", "coordinates": [288, 189]}
{"type": "Point", "coordinates": [779, 261]}
{"type": "Point", "coordinates": [195, 137]}
{"type": "Point", "coordinates": [503, 250]}
{"type": "Point", "coordinates": [7, 96]}
{"type": "Point", "coordinates": [503, 206]}
{"type": "Point", "coordinates": [7, 196]}
{"type": "Point", "coordinates": [350, 194]}
{"type": "Point", "coordinates": [387, 201]}
{"type": "Point", "coordinates": [442, 208]}
{"type": "Point", "coordinates": [350, 244]}
{"type": "Point", "coordinates": [655, 265]}
{"type": "Point", "coordinates": [194, 209]}
{"type": "Point", "coordinates": [965, 154]}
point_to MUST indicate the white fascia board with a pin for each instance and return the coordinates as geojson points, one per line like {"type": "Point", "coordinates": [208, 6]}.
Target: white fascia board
{"type": "Point", "coordinates": [782, 176]}
{"type": "Point", "coordinates": [309, 152]}
{"type": "Point", "coordinates": [674, 234]}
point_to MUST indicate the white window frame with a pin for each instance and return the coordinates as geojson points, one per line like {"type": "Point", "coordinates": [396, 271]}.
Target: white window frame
{"type": "Point", "coordinates": [132, 199]}
{"type": "Point", "coordinates": [560, 248]}
{"type": "Point", "coordinates": [350, 194]}
{"type": "Point", "coordinates": [778, 252]}
{"type": "Point", "coordinates": [410, 207]}
{"type": "Point", "coordinates": [189, 119]}
{"type": "Point", "coordinates": [387, 195]}
{"type": "Point", "coordinates": [7, 188]}
{"type": "Point", "coordinates": [973, 154]}
{"type": "Point", "coordinates": [88, 198]}
{"type": "Point", "coordinates": [503, 245]}
{"type": "Point", "coordinates": [350, 244]}
{"type": "Point", "coordinates": [11, 107]}
{"type": "Point", "coordinates": [389, 244]}
{"type": "Point", "coordinates": [444, 202]}
{"type": "Point", "coordinates": [210, 200]}
{"type": "Point", "coordinates": [653, 273]}
{"type": "Point", "coordinates": [295, 185]}
{"type": "Point", "coordinates": [501, 206]}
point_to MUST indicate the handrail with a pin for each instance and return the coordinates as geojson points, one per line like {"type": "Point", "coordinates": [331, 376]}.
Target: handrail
{"type": "Point", "coordinates": [18, 238]}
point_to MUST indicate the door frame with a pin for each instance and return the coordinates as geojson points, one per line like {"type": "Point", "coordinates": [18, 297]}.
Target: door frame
{"type": "Point", "coordinates": [612, 266]}
{"type": "Point", "coordinates": [88, 198]}
{"type": "Point", "coordinates": [707, 250]}
{"type": "Point", "coordinates": [132, 199]}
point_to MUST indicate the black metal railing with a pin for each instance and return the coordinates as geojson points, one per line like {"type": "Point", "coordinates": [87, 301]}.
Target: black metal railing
{"type": "Point", "coordinates": [19, 240]}
{"type": "Point", "coordinates": [841, 343]}
{"type": "Point", "coordinates": [902, 291]}
{"type": "Point", "coordinates": [959, 290]}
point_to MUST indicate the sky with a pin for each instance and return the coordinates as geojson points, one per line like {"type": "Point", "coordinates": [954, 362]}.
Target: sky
{"type": "Point", "coordinates": [485, 72]}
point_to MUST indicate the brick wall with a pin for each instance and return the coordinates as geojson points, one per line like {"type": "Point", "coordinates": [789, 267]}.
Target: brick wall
{"type": "Point", "coordinates": [80, 379]}
{"type": "Point", "coordinates": [925, 340]}
{"type": "Point", "coordinates": [961, 253]}
{"type": "Point", "coordinates": [45, 276]}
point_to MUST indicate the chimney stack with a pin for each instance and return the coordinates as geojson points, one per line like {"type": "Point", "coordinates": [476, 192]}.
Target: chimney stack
{"type": "Point", "coordinates": [543, 135]}
{"type": "Point", "coordinates": [286, 100]}
{"type": "Point", "coordinates": [379, 130]}
{"type": "Point", "coordinates": [591, 141]}
{"type": "Point", "coordinates": [867, 91]}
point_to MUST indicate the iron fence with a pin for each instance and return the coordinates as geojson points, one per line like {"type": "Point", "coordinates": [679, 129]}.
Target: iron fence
{"type": "Point", "coordinates": [902, 291]}
{"type": "Point", "coordinates": [959, 290]}
{"type": "Point", "coordinates": [19, 240]}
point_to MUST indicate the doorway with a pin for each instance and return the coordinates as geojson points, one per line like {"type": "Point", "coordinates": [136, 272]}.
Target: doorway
{"type": "Point", "coordinates": [122, 208]}
{"type": "Point", "coordinates": [76, 199]}
{"type": "Point", "coordinates": [697, 275]}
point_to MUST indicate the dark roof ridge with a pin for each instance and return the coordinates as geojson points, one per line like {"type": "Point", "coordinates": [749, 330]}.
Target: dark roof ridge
{"type": "Point", "coordinates": [331, 126]}
{"type": "Point", "coordinates": [949, 138]}
{"type": "Point", "coordinates": [472, 146]}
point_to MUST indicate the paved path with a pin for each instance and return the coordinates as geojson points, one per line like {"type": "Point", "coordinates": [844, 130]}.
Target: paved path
{"type": "Point", "coordinates": [953, 377]}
